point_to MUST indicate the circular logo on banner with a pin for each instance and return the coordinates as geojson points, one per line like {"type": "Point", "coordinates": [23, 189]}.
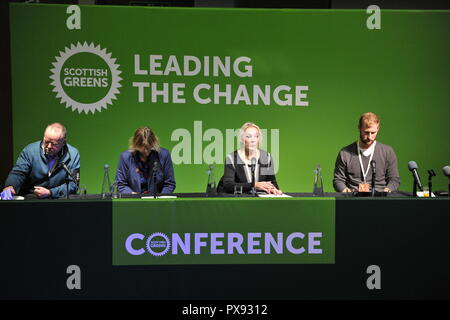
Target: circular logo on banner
{"type": "Point", "coordinates": [158, 244]}
{"type": "Point", "coordinates": [85, 77]}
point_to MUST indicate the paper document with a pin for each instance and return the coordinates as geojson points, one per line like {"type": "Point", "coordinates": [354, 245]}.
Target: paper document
{"type": "Point", "coordinates": [159, 197]}
{"type": "Point", "coordinates": [426, 194]}
{"type": "Point", "coordinates": [274, 196]}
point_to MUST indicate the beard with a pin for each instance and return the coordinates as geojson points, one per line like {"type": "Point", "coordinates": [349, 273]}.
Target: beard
{"type": "Point", "coordinates": [366, 143]}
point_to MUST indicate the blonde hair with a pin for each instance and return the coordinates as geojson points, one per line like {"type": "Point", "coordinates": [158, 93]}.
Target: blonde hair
{"type": "Point", "coordinates": [144, 138]}
{"type": "Point", "coordinates": [244, 127]}
{"type": "Point", "coordinates": [367, 119]}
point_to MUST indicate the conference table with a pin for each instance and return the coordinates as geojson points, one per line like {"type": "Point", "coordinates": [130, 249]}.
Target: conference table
{"type": "Point", "coordinates": [194, 246]}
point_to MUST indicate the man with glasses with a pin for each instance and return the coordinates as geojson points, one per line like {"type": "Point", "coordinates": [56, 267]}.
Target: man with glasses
{"type": "Point", "coordinates": [39, 168]}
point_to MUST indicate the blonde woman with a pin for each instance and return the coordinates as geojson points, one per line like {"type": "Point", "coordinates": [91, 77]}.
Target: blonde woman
{"type": "Point", "coordinates": [239, 170]}
{"type": "Point", "coordinates": [142, 163]}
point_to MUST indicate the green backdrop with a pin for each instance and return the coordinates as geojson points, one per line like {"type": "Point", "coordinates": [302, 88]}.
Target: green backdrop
{"type": "Point", "coordinates": [400, 72]}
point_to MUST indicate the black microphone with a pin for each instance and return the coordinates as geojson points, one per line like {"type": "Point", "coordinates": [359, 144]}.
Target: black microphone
{"type": "Point", "coordinates": [431, 174]}
{"type": "Point", "coordinates": [412, 166]}
{"type": "Point", "coordinates": [253, 165]}
{"type": "Point", "coordinates": [154, 170]}
{"type": "Point", "coordinates": [75, 178]}
{"type": "Point", "coordinates": [373, 166]}
{"type": "Point", "coordinates": [70, 173]}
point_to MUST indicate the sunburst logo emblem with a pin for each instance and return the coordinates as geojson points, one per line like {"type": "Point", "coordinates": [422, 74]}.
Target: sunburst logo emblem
{"type": "Point", "coordinates": [85, 77]}
{"type": "Point", "coordinates": [158, 244]}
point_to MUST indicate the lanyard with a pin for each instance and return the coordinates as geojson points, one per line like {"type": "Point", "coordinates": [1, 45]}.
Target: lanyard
{"type": "Point", "coordinates": [364, 173]}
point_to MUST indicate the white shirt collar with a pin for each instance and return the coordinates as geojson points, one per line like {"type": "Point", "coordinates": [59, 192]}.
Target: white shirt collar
{"type": "Point", "coordinates": [366, 152]}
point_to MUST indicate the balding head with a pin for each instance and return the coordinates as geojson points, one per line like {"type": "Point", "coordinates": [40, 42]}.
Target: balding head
{"type": "Point", "coordinates": [54, 138]}
{"type": "Point", "coordinates": [56, 129]}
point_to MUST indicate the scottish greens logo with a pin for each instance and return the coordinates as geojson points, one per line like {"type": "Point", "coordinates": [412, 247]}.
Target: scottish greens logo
{"type": "Point", "coordinates": [85, 77]}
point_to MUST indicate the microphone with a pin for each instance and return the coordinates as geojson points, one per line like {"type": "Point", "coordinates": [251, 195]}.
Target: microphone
{"type": "Point", "coordinates": [373, 166]}
{"type": "Point", "coordinates": [75, 177]}
{"type": "Point", "coordinates": [412, 166]}
{"type": "Point", "coordinates": [446, 171]}
{"type": "Point", "coordinates": [154, 170]}
{"type": "Point", "coordinates": [431, 174]}
{"type": "Point", "coordinates": [155, 166]}
{"type": "Point", "coordinates": [253, 165]}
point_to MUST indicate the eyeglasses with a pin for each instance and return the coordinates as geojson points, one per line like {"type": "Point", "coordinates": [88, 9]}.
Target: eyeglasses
{"type": "Point", "coordinates": [56, 143]}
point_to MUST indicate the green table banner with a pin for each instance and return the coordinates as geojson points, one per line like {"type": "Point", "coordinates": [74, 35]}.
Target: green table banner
{"type": "Point", "coordinates": [223, 231]}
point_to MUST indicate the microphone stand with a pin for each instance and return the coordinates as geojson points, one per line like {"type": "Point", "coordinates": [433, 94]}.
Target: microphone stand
{"type": "Point", "coordinates": [69, 175]}
{"type": "Point", "coordinates": [431, 174]}
{"type": "Point", "coordinates": [374, 173]}
{"type": "Point", "coordinates": [253, 181]}
{"type": "Point", "coordinates": [67, 187]}
{"type": "Point", "coordinates": [373, 181]}
{"type": "Point", "coordinates": [155, 191]}
{"type": "Point", "coordinates": [414, 188]}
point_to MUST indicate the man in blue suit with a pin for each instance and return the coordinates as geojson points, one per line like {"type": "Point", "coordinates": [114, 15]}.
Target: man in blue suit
{"type": "Point", "coordinates": [143, 164]}
{"type": "Point", "coordinates": [39, 169]}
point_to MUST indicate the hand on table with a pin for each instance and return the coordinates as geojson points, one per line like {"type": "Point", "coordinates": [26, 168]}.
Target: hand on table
{"type": "Point", "coordinates": [41, 192]}
{"type": "Point", "coordinates": [268, 187]}
{"type": "Point", "coordinates": [7, 193]}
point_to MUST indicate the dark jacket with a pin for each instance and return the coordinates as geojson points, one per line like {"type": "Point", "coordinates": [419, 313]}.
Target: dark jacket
{"type": "Point", "coordinates": [234, 173]}
{"type": "Point", "coordinates": [128, 178]}
{"type": "Point", "coordinates": [31, 170]}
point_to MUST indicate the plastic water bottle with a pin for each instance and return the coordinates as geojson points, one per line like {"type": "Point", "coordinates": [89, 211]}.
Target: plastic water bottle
{"type": "Point", "coordinates": [106, 186]}
{"type": "Point", "coordinates": [211, 185]}
{"type": "Point", "coordinates": [318, 183]}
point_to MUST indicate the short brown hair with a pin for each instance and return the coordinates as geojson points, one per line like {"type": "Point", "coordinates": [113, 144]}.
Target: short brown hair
{"type": "Point", "coordinates": [367, 119]}
{"type": "Point", "coordinates": [144, 137]}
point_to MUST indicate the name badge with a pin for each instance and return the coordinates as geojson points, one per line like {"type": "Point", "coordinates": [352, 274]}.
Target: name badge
{"type": "Point", "coordinates": [363, 187]}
